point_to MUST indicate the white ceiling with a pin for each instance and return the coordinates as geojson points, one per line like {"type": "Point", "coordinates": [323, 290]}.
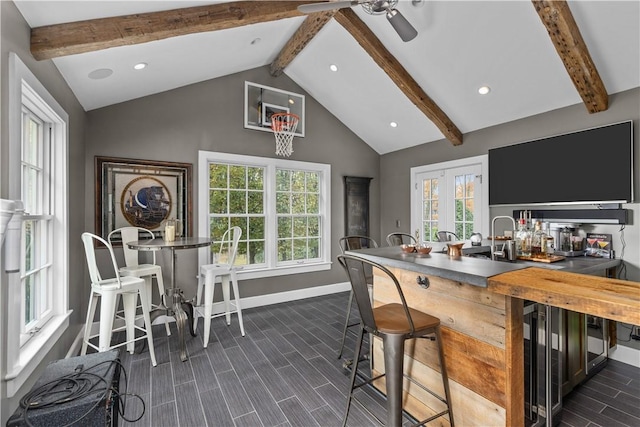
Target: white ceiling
{"type": "Point", "coordinates": [461, 45]}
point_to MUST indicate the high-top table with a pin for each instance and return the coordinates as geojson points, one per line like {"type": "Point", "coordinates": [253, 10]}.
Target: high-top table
{"type": "Point", "coordinates": [178, 302]}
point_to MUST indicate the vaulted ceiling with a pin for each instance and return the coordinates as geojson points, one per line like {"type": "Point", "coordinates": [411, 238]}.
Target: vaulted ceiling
{"type": "Point", "coordinates": [535, 56]}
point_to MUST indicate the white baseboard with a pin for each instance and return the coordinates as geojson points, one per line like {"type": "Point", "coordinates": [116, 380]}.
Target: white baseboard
{"type": "Point", "coordinates": [628, 355]}
{"type": "Point", "coordinates": [249, 302]}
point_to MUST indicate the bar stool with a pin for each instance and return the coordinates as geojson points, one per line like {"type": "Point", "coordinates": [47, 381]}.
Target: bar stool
{"type": "Point", "coordinates": [348, 243]}
{"type": "Point", "coordinates": [397, 239]}
{"type": "Point", "coordinates": [224, 272]}
{"type": "Point", "coordinates": [108, 290]}
{"type": "Point", "coordinates": [394, 323]}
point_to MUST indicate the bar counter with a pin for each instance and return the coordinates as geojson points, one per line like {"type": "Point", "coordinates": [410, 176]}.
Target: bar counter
{"type": "Point", "coordinates": [480, 305]}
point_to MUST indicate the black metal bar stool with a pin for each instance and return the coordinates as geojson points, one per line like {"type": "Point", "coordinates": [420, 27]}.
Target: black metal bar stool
{"type": "Point", "coordinates": [349, 243]}
{"type": "Point", "coordinates": [394, 323]}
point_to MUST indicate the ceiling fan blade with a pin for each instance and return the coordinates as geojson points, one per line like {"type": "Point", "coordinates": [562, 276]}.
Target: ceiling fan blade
{"type": "Point", "coordinates": [322, 7]}
{"type": "Point", "coordinates": [399, 23]}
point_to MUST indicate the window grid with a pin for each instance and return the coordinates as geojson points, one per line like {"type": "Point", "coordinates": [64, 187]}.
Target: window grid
{"type": "Point", "coordinates": [298, 215]}
{"type": "Point", "coordinates": [36, 295]}
{"type": "Point", "coordinates": [430, 201]}
{"type": "Point", "coordinates": [464, 205]}
{"type": "Point", "coordinates": [236, 198]}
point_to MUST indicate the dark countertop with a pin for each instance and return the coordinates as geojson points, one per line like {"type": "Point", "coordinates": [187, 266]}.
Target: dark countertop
{"type": "Point", "coordinates": [471, 270]}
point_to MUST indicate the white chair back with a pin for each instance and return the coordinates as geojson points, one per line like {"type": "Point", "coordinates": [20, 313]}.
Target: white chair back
{"type": "Point", "coordinates": [229, 246]}
{"type": "Point", "coordinates": [90, 252]}
{"type": "Point", "coordinates": [130, 234]}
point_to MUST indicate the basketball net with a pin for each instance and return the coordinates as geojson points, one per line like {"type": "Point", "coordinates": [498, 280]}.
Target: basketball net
{"type": "Point", "coordinates": [284, 127]}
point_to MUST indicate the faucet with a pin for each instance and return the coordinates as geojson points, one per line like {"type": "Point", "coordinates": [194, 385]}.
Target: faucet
{"type": "Point", "coordinates": [502, 252]}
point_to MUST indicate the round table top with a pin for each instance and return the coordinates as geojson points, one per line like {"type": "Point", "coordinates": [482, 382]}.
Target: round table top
{"type": "Point", "coordinates": [179, 243]}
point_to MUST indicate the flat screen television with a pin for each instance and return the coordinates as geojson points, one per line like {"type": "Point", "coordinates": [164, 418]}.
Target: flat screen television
{"type": "Point", "coordinates": [588, 166]}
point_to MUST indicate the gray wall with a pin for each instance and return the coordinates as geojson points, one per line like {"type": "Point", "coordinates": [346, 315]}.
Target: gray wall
{"type": "Point", "coordinates": [16, 38]}
{"type": "Point", "coordinates": [174, 125]}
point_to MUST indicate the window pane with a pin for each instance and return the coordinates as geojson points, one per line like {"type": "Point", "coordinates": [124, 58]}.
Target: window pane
{"type": "Point", "coordinates": [217, 175]}
{"type": "Point", "coordinates": [29, 245]}
{"type": "Point", "coordinates": [297, 204]}
{"type": "Point", "coordinates": [30, 191]}
{"type": "Point", "coordinates": [470, 186]}
{"type": "Point", "coordinates": [29, 298]}
{"type": "Point", "coordinates": [312, 204]}
{"type": "Point", "coordinates": [314, 248]}
{"type": "Point", "coordinates": [284, 227]}
{"type": "Point", "coordinates": [218, 227]}
{"type": "Point", "coordinates": [237, 202]}
{"type": "Point", "coordinates": [283, 202]}
{"type": "Point", "coordinates": [241, 255]}
{"type": "Point", "coordinates": [218, 202]}
{"type": "Point", "coordinates": [299, 249]}
{"type": "Point", "coordinates": [314, 226]}
{"type": "Point", "coordinates": [255, 178]}
{"type": "Point", "coordinates": [434, 189]}
{"type": "Point", "coordinates": [237, 177]}
{"type": "Point", "coordinates": [300, 227]}
{"type": "Point", "coordinates": [255, 204]}
{"type": "Point", "coordinates": [469, 209]}
{"type": "Point", "coordinates": [459, 183]}
{"type": "Point", "coordinates": [297, 181]}
{"type": "Point", "coordinates": [256, 228]}
{"type": "Point", "coordinates": [282, 180]}
{"type": "Point", "coordinates": [434, 210]}
{"type": "Point", "coordinates": [256, 253]}
{"type": "Point", "coordinates": [313, 182]}
{"type": "Point", "coordinates": [284, 250]}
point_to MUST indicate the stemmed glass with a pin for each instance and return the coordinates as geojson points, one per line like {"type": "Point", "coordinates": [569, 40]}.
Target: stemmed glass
{"type": "Point", "coordinates": [591, 241]}
{"type": "Point", "coordinates": [603, 244]}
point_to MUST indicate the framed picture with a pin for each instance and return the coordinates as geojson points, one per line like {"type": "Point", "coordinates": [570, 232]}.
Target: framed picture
{"type": "Point", "coordinates": [269, 110]}
{"type": "Point", "coordinates": [142, 193]}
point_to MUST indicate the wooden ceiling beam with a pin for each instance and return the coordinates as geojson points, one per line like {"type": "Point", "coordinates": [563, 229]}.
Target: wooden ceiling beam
{"type": "Point", "coordinates": [53, 41]}
{"type": "Point", "coordinates": [389, 64]}
{"type": "Point", "coordinates": [567, 39]}
{"type": "Point", "coordinates": [305, 33]}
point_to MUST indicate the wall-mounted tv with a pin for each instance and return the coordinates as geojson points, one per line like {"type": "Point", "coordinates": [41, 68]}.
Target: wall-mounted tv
{"type": "Point", "coordinates": [588, 166]}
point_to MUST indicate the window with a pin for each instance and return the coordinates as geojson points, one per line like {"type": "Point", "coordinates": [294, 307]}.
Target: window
{"type": "Point", "coordinates": [282, 207]}
{"type": "Point", "coordinates": [37, 176]}
{"type": "Point", "coordinates": [450, 196]}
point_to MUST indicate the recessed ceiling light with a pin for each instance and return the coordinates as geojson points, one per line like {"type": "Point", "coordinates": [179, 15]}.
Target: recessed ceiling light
{"type": "Point", "coordinates": [483, 90]}
{"type": "Point", "coordinates": [393, 124]}
{"type": "Point", "coordinates": [100, 73]}
{"type": "Point", "coordinates": [333, 67]}
{"type": "Point", "coordinates": [140, 66]}
{"type": "Point", "coordinates": [291, 101]}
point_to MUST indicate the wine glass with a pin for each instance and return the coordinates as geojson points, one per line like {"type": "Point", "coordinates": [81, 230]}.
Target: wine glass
{"type": "Point", "coordinates": [591, 241]}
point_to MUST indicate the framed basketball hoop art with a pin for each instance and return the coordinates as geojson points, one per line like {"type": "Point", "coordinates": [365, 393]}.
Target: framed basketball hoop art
{"type": "Point", "coordinates": [141, 193]}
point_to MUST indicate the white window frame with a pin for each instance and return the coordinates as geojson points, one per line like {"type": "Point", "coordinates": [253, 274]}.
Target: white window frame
{"type": "Point", "coordinates": [22, 360]}
{"type": "Point", "coordinates": [272, 267]}
{"type": "Point", "coordinates": [416, 199]}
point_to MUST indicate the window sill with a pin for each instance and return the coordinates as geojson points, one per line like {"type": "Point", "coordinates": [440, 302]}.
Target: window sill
{"type": "Point", "coordinates": [34, 351]}
{"type": "Point", "coordinates": [283, 271]}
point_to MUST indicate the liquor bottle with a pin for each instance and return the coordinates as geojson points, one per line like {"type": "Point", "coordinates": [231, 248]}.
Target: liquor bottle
{"type": "Point", "coordinates": [538, 241]}
{"type": "Point", "coordinates": [523, 239]}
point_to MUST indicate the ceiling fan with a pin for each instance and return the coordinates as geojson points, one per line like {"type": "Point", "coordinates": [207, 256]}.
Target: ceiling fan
{"type": "Point", "coordinates": [373, 7]}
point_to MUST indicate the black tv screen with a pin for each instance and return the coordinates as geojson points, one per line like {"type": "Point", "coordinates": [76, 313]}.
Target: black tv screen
{"type": "Point", "coordinates": [587, 166]}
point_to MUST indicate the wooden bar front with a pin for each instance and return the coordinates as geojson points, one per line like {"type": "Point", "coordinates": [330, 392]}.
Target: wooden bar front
{"type": "Point", "coordinates": [482, 335]}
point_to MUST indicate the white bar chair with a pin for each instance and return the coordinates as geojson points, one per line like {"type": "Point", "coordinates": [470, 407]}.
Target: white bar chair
{"type": "Point", "coordinates": [222, 273]}
{"type": "Point", "coordinates": [132, 263]}
{"type": "Point", "coordinates": [108, 290]}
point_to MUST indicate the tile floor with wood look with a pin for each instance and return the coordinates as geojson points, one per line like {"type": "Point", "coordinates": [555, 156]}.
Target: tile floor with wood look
{"type": "Point", "coordinates": [285, 372]}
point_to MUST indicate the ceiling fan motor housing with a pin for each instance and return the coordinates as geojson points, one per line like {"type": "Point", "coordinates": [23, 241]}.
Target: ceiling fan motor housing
{"type": "Point", "coordinates": [377, 7]}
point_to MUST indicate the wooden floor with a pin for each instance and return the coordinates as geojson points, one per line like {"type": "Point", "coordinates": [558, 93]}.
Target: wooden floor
{"type": "Point", "coordinates": [285, 372]}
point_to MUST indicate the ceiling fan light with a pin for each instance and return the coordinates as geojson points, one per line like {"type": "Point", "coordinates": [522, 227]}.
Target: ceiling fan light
{"type": "Point", "coordinates": [399, 23]}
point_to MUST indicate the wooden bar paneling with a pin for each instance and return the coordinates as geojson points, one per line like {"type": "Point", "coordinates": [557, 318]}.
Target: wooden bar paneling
{"type": "Point", "coordinates": [599, 296]}
{"type": "Point", "coordinates": [481, 343]}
